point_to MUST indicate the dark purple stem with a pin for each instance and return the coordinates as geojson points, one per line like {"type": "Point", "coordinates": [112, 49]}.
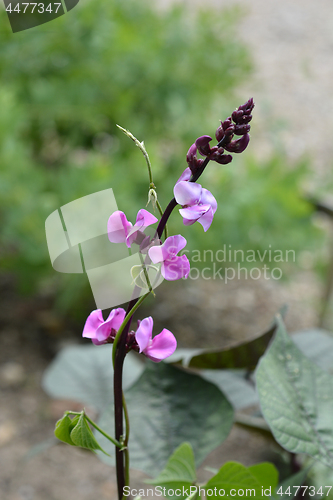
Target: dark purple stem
{"type": "Point", "coordinates": [194, 178]}
{"type": "Point", "coordinates": [118, 401]}
{"type": "Point", "coordinates": [118, 408]}
{"type": "Point", "coordinates": [121, 347]}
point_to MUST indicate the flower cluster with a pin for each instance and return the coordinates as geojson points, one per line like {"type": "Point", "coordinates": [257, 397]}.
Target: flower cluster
{"type": "Point", "coordinates": [103, 332]}
{"type": "Point", "coordinates": [237, 124]}
{"type": "Point", "coordinates": [197, 204]}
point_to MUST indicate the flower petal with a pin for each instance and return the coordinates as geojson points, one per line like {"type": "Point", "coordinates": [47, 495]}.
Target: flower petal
{"type": "Point", "coordinates": [176, 268]}
{"type": "Point", "coordinates": [144, 333]}
{"type": "Point", "coordinates": [195, 212]}
{"type": "Point", "coordinates": [116, 317]}
{"type": "Point", "coordinates": [187, 193]}
{"type": "Point", "coordinates": [118, 227]}
{"type": "Point", "coordinates": [208, 199]}
{"type": "Point", "coordinates": [163, 345]}
{"type": "Point", "coordinates": [206, 219]}
{"type": "Point", "coordinates": [186, 175]}
{"type": "Point", "coordinates": [94, 320]}
{"type": "Point", "coordinates": [170, 248]}
{"type": "Point", "coordinates": [188, 222]}
{"type": "Point", "coordinates": [144, 219]}
{"type": "Point", "coordinates": [202, 143]}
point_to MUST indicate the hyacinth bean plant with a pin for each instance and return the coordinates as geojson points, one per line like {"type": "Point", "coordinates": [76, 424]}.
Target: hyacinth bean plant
{"type": "Point", "coordinates": [300, 424]}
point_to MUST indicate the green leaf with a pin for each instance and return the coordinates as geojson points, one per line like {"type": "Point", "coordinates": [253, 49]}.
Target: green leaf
{"type": "Point", "coordinates": [235, 476]}
{"type": "Point", "coordinates": [82, 436]}
{"type": "Point", "coordinates": [266, 474]}
{"type": "Point", "coordinates": [233, 383]}
{"type": "Point", "coordinates": [316, 344]}
{"type": "Point", "coordinates": [179, 472]}
{"type": "Point", "coordinates": [63, 428]}
{"type": "Point", "coordinates": [168, 406]}
{"type": "Point", "coordinates": [296, 399]}
{"type": "Point", "coordinates": [240, 355]}
{"type": "Point", "coordinates": [85, 374]}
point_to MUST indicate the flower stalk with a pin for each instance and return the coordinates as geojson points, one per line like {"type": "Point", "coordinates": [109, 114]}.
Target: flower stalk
{"type": "Point", "coordinates": [197, 205]}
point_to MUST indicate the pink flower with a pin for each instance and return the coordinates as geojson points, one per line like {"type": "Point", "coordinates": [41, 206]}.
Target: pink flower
{"type": "Point", "coordinates": [198, 203]}
{"type": "Point", "coordinates": [98, 330]}
{"type": "Point", "coordinates": [174, 267]}
{"type": "Point", "coordinates": [120, 230]}
{"type": "Point", "coordinates": [160, 347]}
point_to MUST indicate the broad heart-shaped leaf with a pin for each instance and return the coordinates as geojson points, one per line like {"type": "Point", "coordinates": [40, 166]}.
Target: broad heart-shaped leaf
{"type": "Point", "coordinates": [296, 399]}
{"type": "Point", "coordinates": [241, 355]}
{"type": "Point", "coordinates": [234, 384]}
{"type": "Point", "coordinates": [317, 345]}
{"type": "Point", "coordinates": [235, 476]}
{"type": "Point", "coordinates": [84, 374]}
{"type": "Point", "coordinates": [266, 474]}
{"type": "Point", "coordinates": [168, 406]}
{"type": "Point", "coordinates": [82, 436]}
{"type": "Point", "coordinates": [64, 427]}
{"type": "Point", "coordinates": [179, 472]}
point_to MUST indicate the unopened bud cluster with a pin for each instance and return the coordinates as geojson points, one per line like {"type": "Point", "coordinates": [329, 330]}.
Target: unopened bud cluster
{"type": "Point", "coordinates": [237, 124]}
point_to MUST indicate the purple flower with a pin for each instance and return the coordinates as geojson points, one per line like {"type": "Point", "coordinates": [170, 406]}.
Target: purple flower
{"type": "Point", "coordinates": [174, 267]}
{"type": "Point", "coordinates": [100, 331]}
{"type": "Point", "coordinates": [160, 347]}
{"type": "Point", "coordinates": [120, 230]}
{"type": "Point", "coordinates": [198, 203]}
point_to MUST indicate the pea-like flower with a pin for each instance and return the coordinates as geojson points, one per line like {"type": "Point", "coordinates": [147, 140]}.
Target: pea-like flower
{"type": "Point", "coordinates": [100, 331]}
{"type": "Point", "coordinates": [174, 266]}
{"type": "Point", "coordinates": [198, 204]}
{"type": "Point", "coordinates": [120, 230]}
{"type": "Point", "coordinates": [158, 348]}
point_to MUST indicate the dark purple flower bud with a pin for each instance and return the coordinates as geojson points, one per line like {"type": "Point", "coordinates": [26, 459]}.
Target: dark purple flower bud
{"type": "Point", "coordinates": [192, 159]}
{"type": "Point", "coordinates": [238, 146]}
{"type": "Point", "coordinates": [247, 107]}
{"type": "Point", "coordinates": [191, 153]}
{"type": "Point", "coordinates": [242, 114]}
{"type": "Point", "coordinates": [226, 129]}
{"type": "Point", "coordinates": [242, 129]}
{"type": "Point", "coordinates": [223, 159]}
{"type": "Point", "coordinates": [202, 143]}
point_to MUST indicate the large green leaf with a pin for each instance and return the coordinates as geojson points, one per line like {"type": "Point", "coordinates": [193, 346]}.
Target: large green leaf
{"type": "Point", "coordinates": [235, 385]}
{"type": "Point", "coordinates": [243, 354]}
{"type": "Point", "coordinates": [85, 374]}
{"type": "Point", "coordinates": [179, 473]}
{"type": "Point", "coordinates": [168, 406]}
{"type": "Point", "coordinates": [296, 399]}
{"type": "Point", "coordinates": [234, 476]}
{"type": "Point", "coordinates": [317, 345]}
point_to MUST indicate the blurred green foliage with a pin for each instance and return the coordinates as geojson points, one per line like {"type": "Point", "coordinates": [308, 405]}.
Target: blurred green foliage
{"type": "Point", "coordinates": [168, 77]}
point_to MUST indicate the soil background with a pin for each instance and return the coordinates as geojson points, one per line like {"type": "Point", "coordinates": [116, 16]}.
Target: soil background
{"type": "Point", "coordinates": [292, 46]}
